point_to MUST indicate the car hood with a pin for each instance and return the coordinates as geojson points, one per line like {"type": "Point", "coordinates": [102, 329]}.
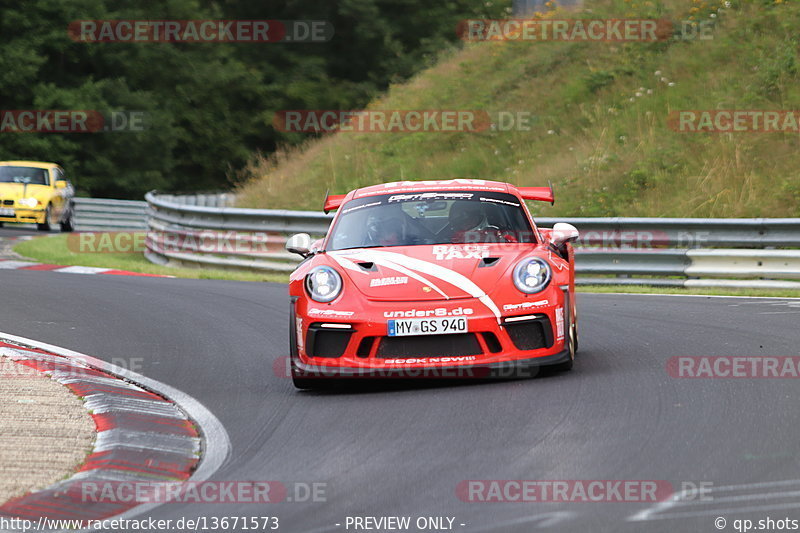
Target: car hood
{"type": "Point", "coordinates": [431, 272]}
{"type": "Point", "coordinates": [15, 191]}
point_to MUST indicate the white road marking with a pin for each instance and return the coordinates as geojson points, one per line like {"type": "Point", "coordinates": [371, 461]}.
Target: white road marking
{"type": "Point", "coordinates": [675, 505]}
{"type": "Point", "coordinates": [82, 270]}
{"type": "Point", "coordinates": [687, 295]}
{"type": "Point", "coordinates": [13, 265]}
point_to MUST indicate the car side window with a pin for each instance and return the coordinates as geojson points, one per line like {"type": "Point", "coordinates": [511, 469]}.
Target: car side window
{"type": "Point", "coordinates": [59, 174]}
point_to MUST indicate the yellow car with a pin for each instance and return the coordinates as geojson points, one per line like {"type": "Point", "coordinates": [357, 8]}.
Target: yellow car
{"type": "Point", "coordinates": [36, 192]}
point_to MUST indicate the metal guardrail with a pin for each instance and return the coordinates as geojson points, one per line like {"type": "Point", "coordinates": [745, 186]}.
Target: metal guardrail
{"type": "Point", "coordinates": [660, 251]}
{"type": "Point", "coordinates": [224, 199]}
{"type": "Point", "coordinates": [689, 232]}
{"type": "Point", "coordinates": [227, 237]}
{"type": "Point", "coordinates": [99, 214]}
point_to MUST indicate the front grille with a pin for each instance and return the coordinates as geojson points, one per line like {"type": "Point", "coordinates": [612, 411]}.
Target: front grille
{"type": "Point", "coordinates": [531, 334]}
{"type": "Point", "coordinates": [330, 343]}
{"type": "Point", "coordinates": [8, 202]}
{"type": "Point", "coordinates": [453, 345]}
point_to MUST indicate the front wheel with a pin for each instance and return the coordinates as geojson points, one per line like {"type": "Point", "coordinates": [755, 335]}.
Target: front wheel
{"type": "Point", "coordinates": [572, 346]}
{"type": "Point", "coordinates": [45, 226]}
{"type": "Point", "coordinates": [68, 224]}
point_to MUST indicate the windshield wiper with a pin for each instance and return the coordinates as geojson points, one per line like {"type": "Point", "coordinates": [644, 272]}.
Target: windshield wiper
{"type": "Point", "coordinates": [369, 246]}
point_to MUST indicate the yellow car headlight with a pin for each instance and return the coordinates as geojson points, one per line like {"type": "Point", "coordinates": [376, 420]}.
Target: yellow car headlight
{"type": "Point", "coordinates": [28, 202]}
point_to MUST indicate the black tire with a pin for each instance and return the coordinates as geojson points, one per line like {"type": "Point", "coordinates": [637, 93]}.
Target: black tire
{"type": "Point", "coordinates": [567, 365]}
{"type": "Point", "coordinates": [46, 225]}
{"type": "Point", "coordinates": [68, 225]}
{"type": "Point", "coordinates": [572, 346]}
{"type": "Point", "coordinates": [575, 333]}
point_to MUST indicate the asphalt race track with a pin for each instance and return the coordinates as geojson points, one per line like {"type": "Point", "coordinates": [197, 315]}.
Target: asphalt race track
{"type": "Point", "coordinates": [617, 416]}
{"type": "Point", "coordinates": [21, 230]}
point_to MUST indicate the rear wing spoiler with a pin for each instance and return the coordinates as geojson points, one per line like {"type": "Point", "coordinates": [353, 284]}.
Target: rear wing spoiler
{"type": "Point", "coordinates": [541, 194]}
{"type": "Point", "coordinates": [332, 202]}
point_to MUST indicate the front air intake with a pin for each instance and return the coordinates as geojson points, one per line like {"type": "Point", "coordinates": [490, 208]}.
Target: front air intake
{"type": "Point", "coordinates": [531, 334]}
{"type": "Point", "coordinates": [454, 345]}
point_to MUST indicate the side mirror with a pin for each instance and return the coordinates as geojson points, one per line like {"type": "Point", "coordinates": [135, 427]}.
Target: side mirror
{"type": "Point", "coordinates": [563, 232]}
{"type": "Point", "coordinates": [299, 244]}
{"type": "Point", "coordinates": [61, 184]}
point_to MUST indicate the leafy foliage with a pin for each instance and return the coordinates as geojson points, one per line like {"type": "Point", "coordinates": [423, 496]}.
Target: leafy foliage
{"type": "Point", "coordinates": [208, 106]}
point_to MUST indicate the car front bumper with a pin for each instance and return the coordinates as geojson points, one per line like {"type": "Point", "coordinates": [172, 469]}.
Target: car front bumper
{"type": "Point", "coordinates": [25, 215]}
{"type": "Point", "coordinates": [515, 369]}
{"type": "Point", "coordinates": [354, 343]}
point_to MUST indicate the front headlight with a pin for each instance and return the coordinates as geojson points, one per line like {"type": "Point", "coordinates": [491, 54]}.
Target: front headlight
{"type": "Point", "coordinates": [532, 275]}
{"type": "Point", "coordinates": [28, 202]}
{"type": "Point", "coordinates": [323, 284]}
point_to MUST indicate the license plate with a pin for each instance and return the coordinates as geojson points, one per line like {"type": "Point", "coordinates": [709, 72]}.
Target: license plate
{"type": "Point", "coordinates": [6, 212]}
{"type": "Point", "coordinates": [427, 326]}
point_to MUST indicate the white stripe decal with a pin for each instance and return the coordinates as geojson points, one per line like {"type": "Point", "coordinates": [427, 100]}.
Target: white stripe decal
{"type": "Point", "coordinates": [411, 273]}
{"type": "Point", "coordinates": [349, 265]}
{"type": "Point", "coordinates": [388, 264]}
{"type": "Point", "coordinates": [437, 271]}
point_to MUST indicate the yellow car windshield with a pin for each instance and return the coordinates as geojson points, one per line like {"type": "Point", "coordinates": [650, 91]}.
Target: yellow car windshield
{"type": "Point", "coordinates": [30, 175]}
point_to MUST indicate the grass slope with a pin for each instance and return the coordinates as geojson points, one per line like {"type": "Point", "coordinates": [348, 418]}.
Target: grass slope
{"type": "Point", "coordinates": [601, 133]}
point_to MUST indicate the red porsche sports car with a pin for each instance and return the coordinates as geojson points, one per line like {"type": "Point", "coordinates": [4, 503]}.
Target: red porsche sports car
{"type": "Point", "coordinates": [433, 279]}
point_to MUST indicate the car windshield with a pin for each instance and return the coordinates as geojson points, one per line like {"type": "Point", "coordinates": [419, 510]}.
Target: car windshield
{"type": "Point", "coordinates": [443, 217]}
{"type": "Point", "coordinates": [31, 175]}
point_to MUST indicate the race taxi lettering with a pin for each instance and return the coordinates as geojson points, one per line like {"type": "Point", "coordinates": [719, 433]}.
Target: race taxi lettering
{"type": "Point", "coordinates": [525, 305]}
{"type": "Point", "coordinates": [380, 282]}
{"type": "Point", "coordinates": [443, 252]}
{"type": "Point", "coordinates": [439, 311]}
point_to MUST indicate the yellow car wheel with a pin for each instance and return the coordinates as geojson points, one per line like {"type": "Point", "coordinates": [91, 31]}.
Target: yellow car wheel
{"type": "Point", "coordinates": [45, 226]}
{"type": "Point", "coordinates": [68, 224]}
